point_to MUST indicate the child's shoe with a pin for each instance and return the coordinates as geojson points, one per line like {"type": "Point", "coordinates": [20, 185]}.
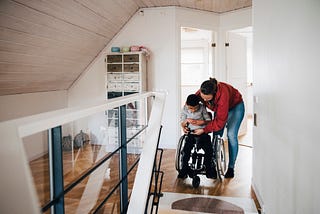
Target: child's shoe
{"type": "Point", "coordinates": [183, 173]}
{"type": "Point", "coordinates": [211, 173]}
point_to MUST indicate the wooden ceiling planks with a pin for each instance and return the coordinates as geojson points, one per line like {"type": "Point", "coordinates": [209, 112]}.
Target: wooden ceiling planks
{"type": "Point", "coordinates": [73, 13]}
{"type": "Point", "coordinates": [217, 6]}
{"type": "Point", "coordinates": [38, 38]}
{"type": "Point", "coordinates": [46, 45]}
{"type": "Point", "coordinates": [35, 41]}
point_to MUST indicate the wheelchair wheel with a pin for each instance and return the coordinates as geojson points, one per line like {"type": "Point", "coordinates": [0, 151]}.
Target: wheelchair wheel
{"type": "Point", "coordinates": [196, 181]}
{"type": "Point", "coordinates": [220, 158]}
{"type": "Point", "coordinates": [179, 153]}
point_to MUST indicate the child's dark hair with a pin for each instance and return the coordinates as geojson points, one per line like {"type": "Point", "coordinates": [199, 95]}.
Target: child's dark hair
{"type": "Point", "coordinates": [193, 100]}
{"type": "Point", "coordinates": [209, 86]}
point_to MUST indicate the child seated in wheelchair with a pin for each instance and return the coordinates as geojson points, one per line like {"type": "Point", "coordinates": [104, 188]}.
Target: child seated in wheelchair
{"type": "Point", "coordinates": [194, 112]}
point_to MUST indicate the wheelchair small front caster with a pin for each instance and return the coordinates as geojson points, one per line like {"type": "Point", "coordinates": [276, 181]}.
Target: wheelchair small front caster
{"type": "Point", "coordinates": [196, 181]}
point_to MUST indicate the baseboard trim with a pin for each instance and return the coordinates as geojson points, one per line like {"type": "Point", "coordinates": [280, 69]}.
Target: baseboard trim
{"type": "Point", "coordinates": [259, 198]}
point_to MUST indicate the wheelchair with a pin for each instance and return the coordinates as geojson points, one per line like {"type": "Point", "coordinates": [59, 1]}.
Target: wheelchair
{"type": "Point", "coordinates": [196, 161]}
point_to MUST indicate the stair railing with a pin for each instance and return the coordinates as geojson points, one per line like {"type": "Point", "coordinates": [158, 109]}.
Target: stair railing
{"type": "Point", "coordinates": [18, 194]}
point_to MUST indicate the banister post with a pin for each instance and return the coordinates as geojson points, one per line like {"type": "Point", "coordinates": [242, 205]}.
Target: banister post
{"type": "Point", "coordinates": [123, 160]}
{"type": "Point", "coordinates": [56, 175]}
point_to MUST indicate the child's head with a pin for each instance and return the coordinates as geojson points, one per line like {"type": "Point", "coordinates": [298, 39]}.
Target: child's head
{"type": "Point", "coordinates": [193, 102]}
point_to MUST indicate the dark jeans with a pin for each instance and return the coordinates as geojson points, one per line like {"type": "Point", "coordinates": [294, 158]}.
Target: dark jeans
{"type": "Point", "coordinates": [204, 142]}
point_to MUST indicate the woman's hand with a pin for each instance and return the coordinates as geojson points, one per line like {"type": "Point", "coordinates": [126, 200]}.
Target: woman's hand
{"type": "Point", "coordinates": [198, 131]}
{"type": "Point", "coordinates": [195, 122]}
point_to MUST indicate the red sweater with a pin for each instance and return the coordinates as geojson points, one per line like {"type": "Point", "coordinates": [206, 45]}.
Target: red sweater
{"type": "Point", "coordinates": [226, 98]}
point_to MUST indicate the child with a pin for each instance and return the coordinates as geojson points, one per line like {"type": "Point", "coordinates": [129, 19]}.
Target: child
{"type": "Point", "coordinates": [194, 112]}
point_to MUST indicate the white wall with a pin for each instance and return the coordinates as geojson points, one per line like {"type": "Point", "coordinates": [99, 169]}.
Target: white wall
{"type": "Point", "coordinates": [286, 64]}
{"type": "Point", "coordinates": [20, 105]}
{"type": "Point", "coordinates": [155, 29]}
{"type": "Point", "coordinates": [90, 86]}
{"type": "Point", "coordinates": [230, 21]}
{"type": "Point", "coordinates": [159, 30]}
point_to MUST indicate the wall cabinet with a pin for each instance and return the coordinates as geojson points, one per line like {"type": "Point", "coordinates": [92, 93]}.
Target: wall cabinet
{"type": "Point", "coordinates": [126, 74]}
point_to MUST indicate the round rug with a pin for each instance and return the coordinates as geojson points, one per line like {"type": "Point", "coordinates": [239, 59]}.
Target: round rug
{"type": "Point", "coordinates": [207, 205]}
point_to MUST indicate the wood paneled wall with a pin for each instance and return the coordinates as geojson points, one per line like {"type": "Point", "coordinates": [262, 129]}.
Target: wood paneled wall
{"type": "Point", "coordinates": [46, 45]}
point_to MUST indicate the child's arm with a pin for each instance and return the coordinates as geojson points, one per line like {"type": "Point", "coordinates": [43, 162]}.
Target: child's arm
{"type": "Point", "coordinates": [184, 121]}
{"type": "Point", "coordinates": [204, 120]}
{"type": "Point", "coordinates": [197, 122]}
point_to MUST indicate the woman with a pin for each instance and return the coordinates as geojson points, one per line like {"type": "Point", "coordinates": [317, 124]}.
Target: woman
{"type": "Point", "coordinates": [228, 107]}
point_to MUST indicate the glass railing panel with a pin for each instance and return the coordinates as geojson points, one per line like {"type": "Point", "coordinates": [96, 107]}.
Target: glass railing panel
{"type": "Point", "coordinates": [84, 143]}
{"type": "Point", "coordinates": [89, 193]}
{"type": "Point", "coordinates": [131, 161]}
{"type": "Point", "coordinates": [112, 179]}
{"type": "Point", "coordinates": [112, 206]}
{"type": "Point", "coordinates": [36, 150]}
{"type": "Point", "coordinates": [48, 212]}
{"type": "Point", "coordinates": [136, 114]}
{"type": "Point", "coordinates": [88, 143]}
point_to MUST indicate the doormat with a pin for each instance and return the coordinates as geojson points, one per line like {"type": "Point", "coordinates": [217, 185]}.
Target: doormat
{"type": "Point", "coordinates": [177, 202]}
{"type": "Point", "coordinates": [206, 205]}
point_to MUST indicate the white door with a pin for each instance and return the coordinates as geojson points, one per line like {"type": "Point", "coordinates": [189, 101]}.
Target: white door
{"type": "Point", "coordinates": [196, 60]}
{"type": "Point", "coordinates": [236, 60]}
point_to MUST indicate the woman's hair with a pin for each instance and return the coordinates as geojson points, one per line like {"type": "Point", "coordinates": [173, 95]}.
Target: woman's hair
{"type": "Point", "coordinates": [193, 100]}
{"type": "Point", "coordinates": [209, 86]}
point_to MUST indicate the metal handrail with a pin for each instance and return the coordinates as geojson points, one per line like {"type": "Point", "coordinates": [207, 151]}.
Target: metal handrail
{"type": "Point", "coordinates": [140, 191]}
{"type": "Point", "coordinates": [155, 176]}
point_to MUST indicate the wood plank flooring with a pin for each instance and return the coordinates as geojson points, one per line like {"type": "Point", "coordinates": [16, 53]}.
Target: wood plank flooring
{"type": "Point", "coordinates": [239, 186]}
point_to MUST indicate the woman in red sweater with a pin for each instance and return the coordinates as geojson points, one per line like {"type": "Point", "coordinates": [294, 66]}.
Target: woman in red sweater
{"type": "Point", "coordinates": [228, 107]}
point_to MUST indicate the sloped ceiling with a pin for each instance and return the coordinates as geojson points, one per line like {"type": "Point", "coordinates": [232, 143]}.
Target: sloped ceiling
{"type": "Point", "coordinates": [46, 44]}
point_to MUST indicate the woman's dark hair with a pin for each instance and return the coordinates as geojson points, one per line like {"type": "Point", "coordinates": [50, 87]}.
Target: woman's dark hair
{"type": "Point", "coordinates": [193, 100]}
{"type": "Point", "coordinates": [209, 86]}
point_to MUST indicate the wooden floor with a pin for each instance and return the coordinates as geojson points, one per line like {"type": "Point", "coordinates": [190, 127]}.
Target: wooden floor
{"type": "Point", "coordinates": [239, 186]}
{"type": "Point", "coordinates": [92, 190]}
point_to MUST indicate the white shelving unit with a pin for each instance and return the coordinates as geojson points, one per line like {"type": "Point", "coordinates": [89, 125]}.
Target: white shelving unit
{"type": "Point", "coordinates": [126, 74]}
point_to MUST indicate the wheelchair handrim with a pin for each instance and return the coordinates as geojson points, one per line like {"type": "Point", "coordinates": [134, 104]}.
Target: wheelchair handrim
{"type": "Point", "coordinates": [221, 159]}
{"type": "Point", "coordinates": [178, 157]}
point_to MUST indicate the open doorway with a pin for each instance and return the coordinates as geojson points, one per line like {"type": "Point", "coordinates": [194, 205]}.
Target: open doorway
{"type": "Point", "coordinates": [239, 74]}
{"type": "Point", "coordinates": [197, 62]}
